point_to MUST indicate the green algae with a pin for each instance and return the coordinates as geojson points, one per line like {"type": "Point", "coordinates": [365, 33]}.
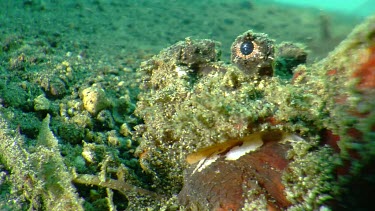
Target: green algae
{"type": "Point", "coordinates": [35, 173]}
{"type": "Point", "coordinates": [309, 179]}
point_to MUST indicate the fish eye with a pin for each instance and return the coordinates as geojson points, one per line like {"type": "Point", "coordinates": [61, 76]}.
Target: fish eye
{"type": "Point", "coordinates": [247, 48]}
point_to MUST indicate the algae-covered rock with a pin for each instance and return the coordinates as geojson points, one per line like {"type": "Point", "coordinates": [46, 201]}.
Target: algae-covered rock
{"type": "Point", "coordinates": [14, 95]}
{"type": "Point", "coordinates": [94, 100]}
{"type": "Point", "coordinates": [40, 173]}
{"type": "Point", "coordinates": [41, 103]}
{"type": "Point", "coordinates": [70, 132]}
{"type": "Point", "coordinates": [54, 87]}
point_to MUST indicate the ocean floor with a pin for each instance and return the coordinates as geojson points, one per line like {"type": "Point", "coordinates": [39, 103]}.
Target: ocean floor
{"type": "Point", "coordinates": [135, 30]}
{"type": "Point", "coordinates": [70, 67]}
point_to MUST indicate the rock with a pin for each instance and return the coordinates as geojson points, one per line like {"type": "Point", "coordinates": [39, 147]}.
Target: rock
{"type": "Point", "coordinates": [54, 87]}
{"type": "Point", "coordinates": [94, 100]}
{"type": "Point", "coordinates": [105, 120]}
{"type": "Point", "coordinates": [41, 103]}
{"type": "Point", "coordinates": [125, 130]}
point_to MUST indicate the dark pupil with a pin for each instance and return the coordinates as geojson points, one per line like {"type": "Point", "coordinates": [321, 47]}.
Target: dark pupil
{"type": "Point", "coordinates": [247, 48]}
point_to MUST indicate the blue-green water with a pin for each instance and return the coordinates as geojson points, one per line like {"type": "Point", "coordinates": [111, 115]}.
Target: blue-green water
{"type": "Point", "coordinates": [141, 28]}
{"type": "Point", "coordinates": [360, 8]}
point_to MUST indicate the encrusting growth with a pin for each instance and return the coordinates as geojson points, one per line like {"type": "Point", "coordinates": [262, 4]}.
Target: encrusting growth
{"type": "Point", "coordinates": [39, 173]}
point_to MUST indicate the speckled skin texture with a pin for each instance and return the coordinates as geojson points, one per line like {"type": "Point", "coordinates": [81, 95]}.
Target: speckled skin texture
{"type": "Point", "coordinates": [259, 61]}
{"type": "Point", "coordinates": [191, 100]}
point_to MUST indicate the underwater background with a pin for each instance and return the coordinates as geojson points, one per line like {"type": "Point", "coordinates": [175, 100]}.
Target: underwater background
{"type": "Point", "coordinates": [87, 124]}
{"type": "Point", "coordinates": [144, 27]}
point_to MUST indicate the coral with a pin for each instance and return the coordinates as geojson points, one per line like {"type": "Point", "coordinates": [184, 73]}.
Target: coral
{"type": "Point", "coordinates": [40, 175]}
{"type": "Point", "coordinates": [125, 188]}
{"type": "Point", "coordinates": [40, 75]}
{"type": "Point", "coordinates": [136, 196]}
